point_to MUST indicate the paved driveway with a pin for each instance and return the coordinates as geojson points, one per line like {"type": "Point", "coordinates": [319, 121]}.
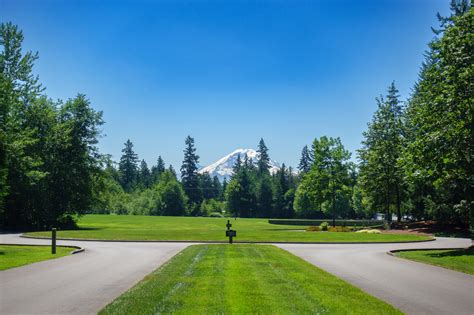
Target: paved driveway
{"type": "Point", "coordinates": [79, 284]}
{"type": "Point", "coordinates": [414, 288]}
{"type": "Point", "coordinates": [86, 282]}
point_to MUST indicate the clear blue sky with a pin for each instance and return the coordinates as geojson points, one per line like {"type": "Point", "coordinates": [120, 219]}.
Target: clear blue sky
{"type": "Point", "coordinates": [226, 72]}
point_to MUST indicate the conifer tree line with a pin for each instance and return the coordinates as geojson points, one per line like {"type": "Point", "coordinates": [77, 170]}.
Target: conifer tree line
{"type": "Point", "coordinates": [415, 160]}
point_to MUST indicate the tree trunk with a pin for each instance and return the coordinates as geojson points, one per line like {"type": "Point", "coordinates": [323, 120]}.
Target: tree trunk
{"type": "Point", "coordinates": [399, 211]}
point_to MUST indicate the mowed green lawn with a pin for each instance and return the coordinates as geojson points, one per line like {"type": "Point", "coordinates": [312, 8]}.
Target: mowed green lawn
{"type": "Point", "coordinates": [15, 256]}
{"type": "Point", "coordinates": [243, 279]}
{"type": "Point", "coordinates": [114, 227]}
{"type": "Point", "coordinates": [455, 259]}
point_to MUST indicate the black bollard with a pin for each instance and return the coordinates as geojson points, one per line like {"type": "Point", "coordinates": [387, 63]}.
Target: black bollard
{"type": "Point", "coordinates": [53, 241]}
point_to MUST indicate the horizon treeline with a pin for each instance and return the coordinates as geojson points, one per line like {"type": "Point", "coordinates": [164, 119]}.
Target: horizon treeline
{"type": "Point", "coordinates": [415, 161]}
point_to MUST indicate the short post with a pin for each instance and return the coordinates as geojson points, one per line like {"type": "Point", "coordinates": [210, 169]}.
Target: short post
{"type": "Point", "coordinates": [53, 241]}
{"type": "Point", "coordinates": [230, 233]}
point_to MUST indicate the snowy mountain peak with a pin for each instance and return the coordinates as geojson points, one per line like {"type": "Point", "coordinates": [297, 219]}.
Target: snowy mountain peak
{"type": "Point", "coordinates": [222, 168]}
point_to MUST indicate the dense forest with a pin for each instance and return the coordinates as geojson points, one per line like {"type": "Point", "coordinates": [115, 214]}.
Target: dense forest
{"type": "Point", "coordinates": [416, 159]}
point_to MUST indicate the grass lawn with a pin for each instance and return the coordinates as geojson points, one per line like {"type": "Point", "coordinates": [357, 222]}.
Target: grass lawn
{"type": "Point", "coordinates": [455, 259]}
{"type": "Point", "coordinates": [15, 256]}
{"type": "Point", "coordinates": [127, 227]}
{"type": "Point", "coordinates": [243, 279]}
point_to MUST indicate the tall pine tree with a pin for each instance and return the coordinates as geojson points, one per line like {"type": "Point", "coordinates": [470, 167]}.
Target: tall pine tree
{"type": "Point", "coordinates": [381, 176]}
{"type": "Point", "coordinates": [263, 163]}
{"type": "Point", "coordinates": [190, 177]}
{"type": "Point", "coordinates": [128, 167]}
{"type": "Point", "coordinates": [145, 175]}
{"type": "Point", "coordinates": [305, 161]}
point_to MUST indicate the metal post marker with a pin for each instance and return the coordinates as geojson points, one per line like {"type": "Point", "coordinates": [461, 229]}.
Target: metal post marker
{"type": "Point", "coordinates": [53, 241]}
{"type": "Point", "coordinates": [230, 233]}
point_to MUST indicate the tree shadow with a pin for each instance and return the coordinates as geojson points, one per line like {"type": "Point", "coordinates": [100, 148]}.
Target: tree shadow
{"type": "Point", "coordinates": [87, 229]}
{"type": "Point", "coordinates": [454, 253]}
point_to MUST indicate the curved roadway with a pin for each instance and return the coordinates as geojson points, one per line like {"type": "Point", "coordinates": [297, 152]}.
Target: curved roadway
{"type": "Point", "coordinates": [86, 282]}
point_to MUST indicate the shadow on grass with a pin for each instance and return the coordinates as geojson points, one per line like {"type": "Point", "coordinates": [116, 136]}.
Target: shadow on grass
{"type": "Point", "coordinates": [290, 229]}
{"type": "Point", "coordinates": [87, 229]}
{"type": "Point", "coordinates": [454, 253]}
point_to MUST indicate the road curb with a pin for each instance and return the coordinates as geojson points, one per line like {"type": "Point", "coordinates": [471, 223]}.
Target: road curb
{"type": "Point", "coordinates": [77, 250]}
{"type": "Point", "coordinates": [219, 242]}
{"type": "Point", "coordinates": [394, 251]}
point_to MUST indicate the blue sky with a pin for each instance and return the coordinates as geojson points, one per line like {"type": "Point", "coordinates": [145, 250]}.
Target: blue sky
{"type": "Point", "coordinates": [226, 72]}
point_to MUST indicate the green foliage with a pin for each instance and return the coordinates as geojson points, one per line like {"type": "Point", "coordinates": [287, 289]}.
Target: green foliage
{"type": "Point", "coordinates": [306, 222]}
{"type": "Point", "coordinates": [128, 167]}
{"type": "Point", "coordinates": [324, 226]}
{"type": "Point", "coordinates": [306, 162]}
{"type": "Point", "coordinates": [339, 229]}
{"type": "Point", "coordinates": [240, 195]}
{"type": "Point", "coordinates": [438, 159]}
{"type": "Point", "coordinates": [381, 175]}
{"type": "Point", "coordinates": [326, 188]}
{"type": "Point", "coordinates": [190, 176]}
{"type": "Point", "coordinates": [157, 169]}
{"type": "Point", "coordinates": [264, 195]}
{"type": "Point", "coordinates": [213, 208]}
{"type": "Point", "coordinates": [263, 163]}
{"type": "Point", "coordinates": [49, 148]}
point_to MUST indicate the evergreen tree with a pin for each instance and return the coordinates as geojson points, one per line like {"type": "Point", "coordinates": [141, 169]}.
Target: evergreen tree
{"type": "Point", "coordinates": [264, 196]}
{"type": "Point", "coordinates": [437, 159]}
{"type": "Point", "coordinates": [172, 198]}
{"type": "Point", "coordinates": [158, 169]}
{"type": "Point", "coordinates": [305, 161]}
{"type": "Point", "coordinates": [237, 166]}
{"type": "Point", "coordinates": [240, 196]}
{"type": "Point", "coordinates": [217, 187]}
{"type": "Point", "coordinates": [207, 187]}
{"type": "Point", "coordinates": [128, 167]}
{"type": "Point", "coordinates": [145, 175]}
{"type": "Point", "coordinates": [172, 171]}
{"type": "Point", "coordinates": [189, 175]}
{"type": "Point", "coordinates": [224, 188]}
{"type": "Point", "coordinates": [263, 163]}
{"type": "Point", "coordinates": [381, 175]}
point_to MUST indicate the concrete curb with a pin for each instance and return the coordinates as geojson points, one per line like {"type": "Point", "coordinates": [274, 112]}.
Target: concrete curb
{"type": "Point", "coordinates": [393, 252]}
{"type": "Point", "coordinates": [77, 250]}
{"type": "Point", "coordinates": [219, 242]}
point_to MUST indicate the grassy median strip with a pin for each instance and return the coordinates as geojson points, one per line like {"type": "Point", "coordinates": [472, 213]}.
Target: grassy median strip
{"type": "Point", "coordinates": [242, 279]}
{"type": "Point", "coordinates": [128, 227]}
{"type": "Point", "coordinates": [15, 256]}
{"type": "Point", "coordinates": [455, 259]}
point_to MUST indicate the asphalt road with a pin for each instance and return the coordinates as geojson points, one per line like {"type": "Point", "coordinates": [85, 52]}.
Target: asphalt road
{"type": "Point", "coordinates": [412, 287]}
{"type": "Point", "coordinates": [82, 283]}
{"type": "Point", "coordinates": [86, 282]}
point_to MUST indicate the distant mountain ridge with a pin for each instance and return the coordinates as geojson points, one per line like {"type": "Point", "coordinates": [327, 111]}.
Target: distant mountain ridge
{"type": "Point", "coordinates": [222, 168]}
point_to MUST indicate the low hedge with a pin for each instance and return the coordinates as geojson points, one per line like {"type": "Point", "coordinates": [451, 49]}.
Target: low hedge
{"type": "Point", "coordinates": [318, 222]}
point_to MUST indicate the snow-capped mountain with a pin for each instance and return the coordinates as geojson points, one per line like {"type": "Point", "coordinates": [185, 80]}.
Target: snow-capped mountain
{"type": "Point", "coordinates": [222, 168]}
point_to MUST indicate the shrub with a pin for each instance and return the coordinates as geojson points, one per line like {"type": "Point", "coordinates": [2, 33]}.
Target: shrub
{"type": "Point", "coordinates": [369, 231]}
{"type": "Point", "coordinates": [339, 229]}
{"type": "Point", "coordinates": [314, 222]}
{"type": "Point", "coordinates": [312, 229]}
{"type": "Point", "coordinates": [215, 215]}
{"type": "Point", "coordinates": [324, 226]}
